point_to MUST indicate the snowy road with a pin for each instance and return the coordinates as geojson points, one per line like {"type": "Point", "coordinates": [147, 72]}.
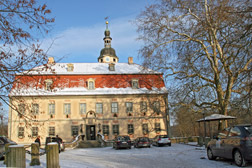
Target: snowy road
{"type": "Point", "coordinates": [176, 156]}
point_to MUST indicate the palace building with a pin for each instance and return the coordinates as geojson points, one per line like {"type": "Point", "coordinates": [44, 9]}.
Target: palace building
{"type": "Point", "coordinates": [69, 99]}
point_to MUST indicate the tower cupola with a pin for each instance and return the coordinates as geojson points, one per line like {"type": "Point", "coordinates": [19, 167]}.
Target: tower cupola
{"type": "Point", "coordinates": [107, 54]}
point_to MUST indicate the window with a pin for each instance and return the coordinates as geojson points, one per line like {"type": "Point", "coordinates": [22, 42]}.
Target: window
{"type": "Point", "coordinates": [21, 109]}
{"type": "Point", "coordinates": [20, 132]}
{"type": "Point", "coordinates": [91, 84]}
{"type": "Point", "coordinates": [82, 108]}
{"type": "Point", "coordinates": [143, 106]}
{"type": "Point", "coordinates": [129, 107]}
{"type": "Point", "coordinates": [112, 67]}
{"type": "Point", "coordinates": [157, 127]}
{"type": "Point", "coordinates": [51, 109]}
{"type": "Point", "coordinates": [145, 129]}
{"type": "Point", "coordinates": [35, 109]}
{"type": "Point", "coordinates": [134, 84]}
{"type": "Point", "coordinates": [51, 131]}
{"type": "Point", "coordinates": [75, 130]}
{"type": "Point", "coordinates": [130, 129]}
{"type": "Point", "coordinates": [48, 84]}
{"type": "Point", "coordinates": [34, 131]}
{"type": "Point", "coordinates": [115, 129]}
{"type": "Point", "coordinates": [70, 67]}
{"type": "Point", "coordinates": [105, 129]}
{"type": "Point", "coordinates": [235, 131]}
{"type": "Point", "coordinates": [99, 108]}
{"type": "Point", "coordinates": [223, 133]}
{"type": "Point", "coordinates": [114, 107]}
{"type": "Point", "coordinates": [156, 107]}
{"type": "Point", "coordinates": [107, 58]}
{"type": "Point", "coordinates": [67, 108]}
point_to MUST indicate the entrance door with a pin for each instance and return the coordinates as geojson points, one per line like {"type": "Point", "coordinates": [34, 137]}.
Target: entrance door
{"type": "Point", "coordinates": [90, 131]}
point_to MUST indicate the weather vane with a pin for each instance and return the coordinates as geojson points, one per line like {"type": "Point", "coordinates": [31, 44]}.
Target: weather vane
{"type": "Point", "coordinates": [106, 18]}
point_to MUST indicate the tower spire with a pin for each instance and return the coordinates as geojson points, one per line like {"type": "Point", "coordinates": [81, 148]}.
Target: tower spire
{"type": "Point", "coordinates": [107, 54]}
{"type": "Point", "coordinates": [107, 39]}
{"type": "Point", "coordinates": [106, 25]}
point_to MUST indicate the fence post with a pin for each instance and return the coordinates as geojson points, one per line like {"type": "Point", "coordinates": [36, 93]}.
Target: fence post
{"type": "Point", "coordinates": [52, 155]}
{"type": "Point", "coordinates": [16, 156]}
{"type": "Point", "coordinates": [35, 154]}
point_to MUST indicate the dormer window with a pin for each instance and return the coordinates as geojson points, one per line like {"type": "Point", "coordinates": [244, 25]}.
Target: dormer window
{"type": "Point", "coordinates": [111, 67]}
{"type": "Point", "coordinates": [134, 83]}
{"type": "Point", "coordinates": [48, 84]}
{"type": "Point", "coordinates": [91, 84]}
{"type": "Point", "coordinates": [70, 67]}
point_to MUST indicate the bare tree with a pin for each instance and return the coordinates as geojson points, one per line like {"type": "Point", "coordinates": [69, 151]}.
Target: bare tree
{"type": "Point", "coordinates": [204, 45]}
{"type": "Point", "coordinates": [22, 24]}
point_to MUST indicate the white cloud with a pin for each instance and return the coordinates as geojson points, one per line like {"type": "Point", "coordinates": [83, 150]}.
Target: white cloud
{"type": "Point", "coordinates": [88, 41]}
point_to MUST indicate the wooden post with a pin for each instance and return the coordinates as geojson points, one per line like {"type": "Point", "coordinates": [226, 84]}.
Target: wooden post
{"type": "Point", "coordinates": [52, 155]}
{"type": "Point", "coordinates": [16, 156]}
{"type": "Point", "coordinates": [35, 154]}
{"type": "Point", "coordinates": [6, 149]}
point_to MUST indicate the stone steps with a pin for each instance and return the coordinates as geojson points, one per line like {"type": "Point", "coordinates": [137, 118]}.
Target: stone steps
{"type": "Point", "coordinates": [89, 144]}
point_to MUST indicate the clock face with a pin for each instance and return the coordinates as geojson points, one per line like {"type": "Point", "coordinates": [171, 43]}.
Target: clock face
{"type": "Point", "coordinates": [107, 59]}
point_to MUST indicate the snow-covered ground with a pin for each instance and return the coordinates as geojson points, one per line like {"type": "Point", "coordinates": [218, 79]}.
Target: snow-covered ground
{"type": "Point", "coordinates": [176, 156]}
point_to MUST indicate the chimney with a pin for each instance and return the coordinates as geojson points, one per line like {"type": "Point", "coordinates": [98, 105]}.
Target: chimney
{"type": "Point", "coordinates": [130, 60]}
{"type": "Point", "coordinates": [51, 60]}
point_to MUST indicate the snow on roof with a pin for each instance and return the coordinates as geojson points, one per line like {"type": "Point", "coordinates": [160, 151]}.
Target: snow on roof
{"type": "Point", "coordinates": [84, 91]}
{"type": "Point", "coordinates": [90, 68]}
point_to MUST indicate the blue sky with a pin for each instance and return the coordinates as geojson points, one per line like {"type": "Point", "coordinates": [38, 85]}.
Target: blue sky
{"type": "Point", "coordinates": [79, 26]}
{"type": "Point", "coordinates": [78, 31]}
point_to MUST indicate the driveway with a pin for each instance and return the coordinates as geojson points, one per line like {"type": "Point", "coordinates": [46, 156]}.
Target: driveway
{"type": "Point", "coordinates": [176, 156]}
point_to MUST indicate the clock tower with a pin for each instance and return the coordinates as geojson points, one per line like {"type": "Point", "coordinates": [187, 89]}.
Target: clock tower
{"type": "Point", "coordinates": [107, 54]}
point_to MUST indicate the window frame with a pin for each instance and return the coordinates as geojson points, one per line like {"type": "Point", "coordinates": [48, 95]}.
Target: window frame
{"type": "Point", "coordinates": [111, 67]}
{"type": "Point", "coordinates": [21, 108]}
{"type": "Point", "coordinates": [21, 132]}
{"type": "Point", "coordinates": [50, 109]}
{"type": "Point", "coordinates": [89, 85]}
{"type": "Point", "coordinates": [157, 127]}
{"type": "Point", "coordinates": [99, 109]}
{"type": "Point", "coordinates": [74, 129]}
{"type": "Point", "coordinates": [67, 108]}
{"type": "Point", "coordinates": [85, 108]}
{"type": "Point", "coordinates": [70, 67]}
{"type": "Point", "coordinates": [156, 107]}
{"type": "Point", "coordinates": [35, 131]}
{"type": "Point", "coordinates": [50, 130]}
{"type": "Point", "coordinates": [143, 106]}
{"type": "Point", "coordinates": [113, 107]}
{"type": "Point", "coordinates": [127, 107]}
{"type": "Point", "coordinates": [145, 129]}
{"type": "Point", "coordinates": [48, 84]}
{"type": "Point", "coordinates": [135, 84]}
{"type": "Point", "coordinates": [105, 130]}
{"type": "Point", "coordinates": [115, 129]}
{"type": "Point", "coordinates": [130, 129]}
{"type": "Point", "coordinates": [35, 111]}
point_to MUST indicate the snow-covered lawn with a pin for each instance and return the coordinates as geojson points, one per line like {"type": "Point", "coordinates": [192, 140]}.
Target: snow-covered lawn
{"type": "Point", "coordinates": [176, 156]}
